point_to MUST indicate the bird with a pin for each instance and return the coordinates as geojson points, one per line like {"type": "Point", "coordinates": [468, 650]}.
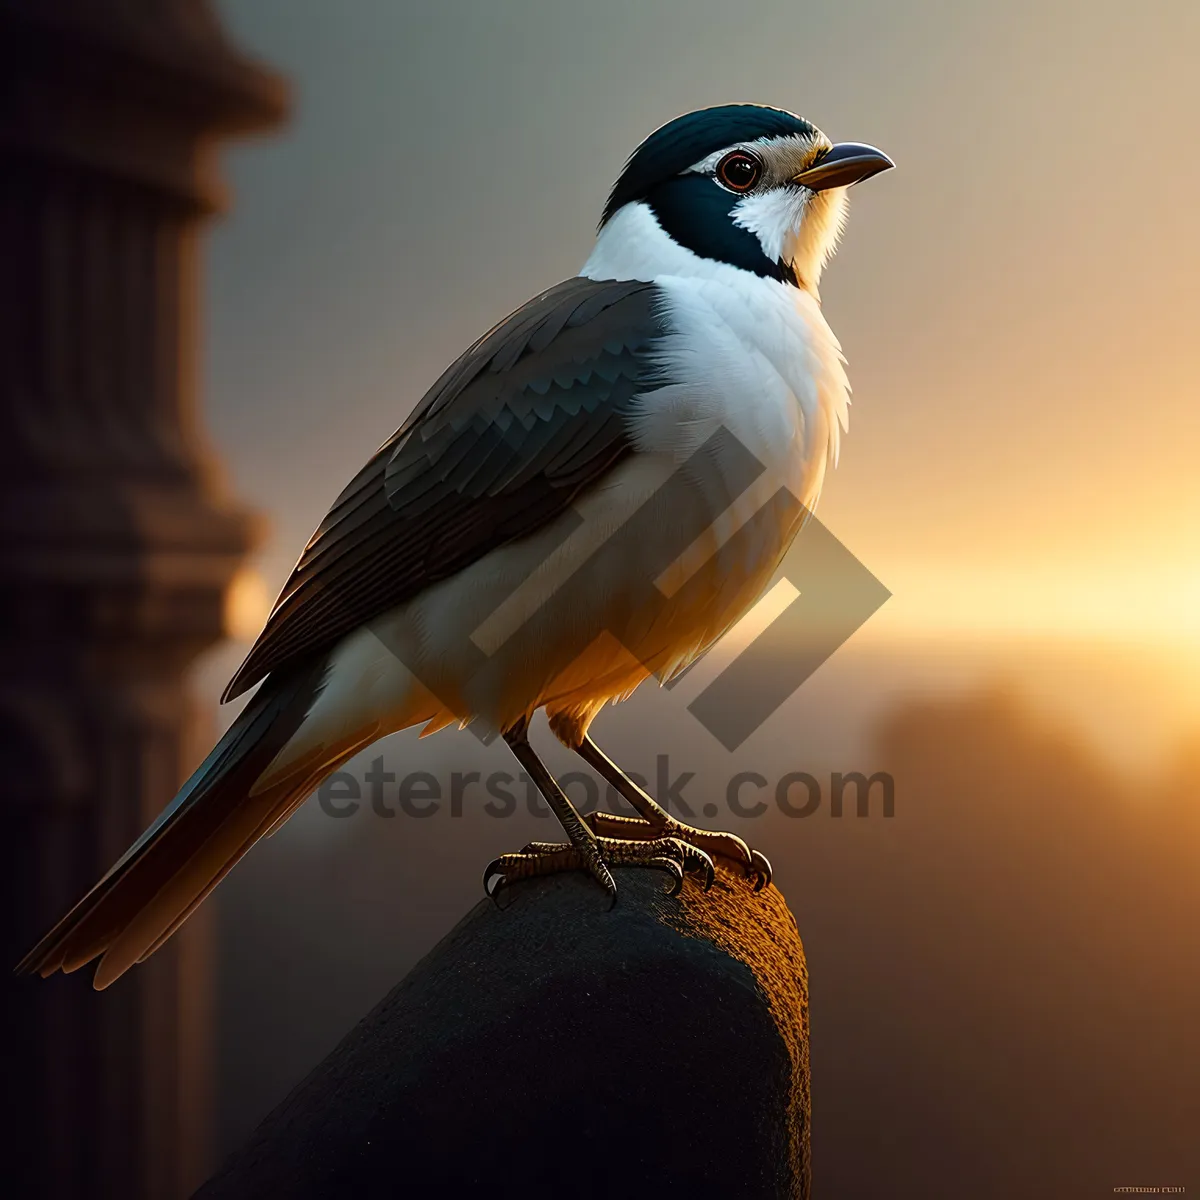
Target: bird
{"type": "Point", "coordinates": [480, 567]}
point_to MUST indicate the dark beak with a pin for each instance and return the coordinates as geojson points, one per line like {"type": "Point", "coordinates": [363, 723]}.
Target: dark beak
{"type": "Point", "coordinates": [842, 165]}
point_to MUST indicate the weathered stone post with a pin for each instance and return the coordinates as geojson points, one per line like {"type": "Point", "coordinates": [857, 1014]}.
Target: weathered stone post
{"type": "Point", "coordinates": [558, 1049]}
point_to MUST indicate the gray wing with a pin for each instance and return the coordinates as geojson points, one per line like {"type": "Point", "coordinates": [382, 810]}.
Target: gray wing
{"type": "Point", "coordinates": [527, 418]}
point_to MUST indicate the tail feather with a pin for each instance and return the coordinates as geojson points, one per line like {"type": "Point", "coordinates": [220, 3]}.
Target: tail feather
{"type": "Point", "coordinates": [297, 793]}
{"type": "Point", "coordinates": [191, 845]}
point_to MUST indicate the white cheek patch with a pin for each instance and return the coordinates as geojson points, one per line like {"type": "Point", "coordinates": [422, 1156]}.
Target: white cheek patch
{"type": "Point", "coordinates": [775, 218]}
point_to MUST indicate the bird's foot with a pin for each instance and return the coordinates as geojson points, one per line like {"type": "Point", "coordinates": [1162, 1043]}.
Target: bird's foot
{"type": "Point", "coordinates": [714, 842]}
{"type": "Point", "coordinates": [671, 854]}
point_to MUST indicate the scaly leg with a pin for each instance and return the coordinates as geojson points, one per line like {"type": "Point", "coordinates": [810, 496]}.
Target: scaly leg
{"type": "Point", "coordinates": [656, 822]}
{"type": "Point", "coordinates": [585, 851]}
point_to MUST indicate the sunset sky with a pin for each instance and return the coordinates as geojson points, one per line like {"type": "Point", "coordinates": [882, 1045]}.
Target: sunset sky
{"type": "Point", "coordinates": [1017, 301]}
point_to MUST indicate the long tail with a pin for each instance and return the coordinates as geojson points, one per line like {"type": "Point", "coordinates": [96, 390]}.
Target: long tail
{"type": "Point", "coordinates": [216, 817]}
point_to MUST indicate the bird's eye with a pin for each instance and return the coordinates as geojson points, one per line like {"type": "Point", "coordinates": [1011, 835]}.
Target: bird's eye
{"type": "Point", "coordinates": [739, 171]}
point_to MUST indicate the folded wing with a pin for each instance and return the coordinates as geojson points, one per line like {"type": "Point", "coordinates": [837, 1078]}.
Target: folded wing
{"type": "Point", "coordinates": [533, 413]}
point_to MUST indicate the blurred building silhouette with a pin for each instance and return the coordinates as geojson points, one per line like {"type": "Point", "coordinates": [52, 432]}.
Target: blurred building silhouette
{"type": "Point", "coordinates": [116, 550]}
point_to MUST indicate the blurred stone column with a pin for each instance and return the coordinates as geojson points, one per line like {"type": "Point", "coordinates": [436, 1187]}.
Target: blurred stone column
{"type": "Point", "coordinates": [116, 553]}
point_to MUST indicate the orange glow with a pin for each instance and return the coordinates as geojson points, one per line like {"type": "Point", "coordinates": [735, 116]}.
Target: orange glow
{"type": "Point", "coordinates": [247, 603]}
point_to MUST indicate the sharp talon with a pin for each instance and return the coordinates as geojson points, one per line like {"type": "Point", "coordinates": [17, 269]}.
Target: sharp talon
{"type": "Point", "coordinates": [603, 876]}
{"type": "Point", "coordinates": [493, 868]}
{"type": "Point", "coordinates": [760, 867]}
{"type": "Point", "coordinates": [695, 859]}
{"type": "Point", "coordinates": [494, 882]}
{"type": "Point", "coordinates": [672, 868]}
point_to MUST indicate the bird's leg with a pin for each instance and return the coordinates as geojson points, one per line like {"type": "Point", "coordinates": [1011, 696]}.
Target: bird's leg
{"type": "Point", "coordinates": [656, 822]}
{"type": "Point", "coordinates": [586, 850]}
{"type": "Point", "coordinates": [583, 840]}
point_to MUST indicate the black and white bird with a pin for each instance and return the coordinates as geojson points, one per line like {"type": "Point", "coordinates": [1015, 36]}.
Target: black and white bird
{"type": "Point", "coordinates": [461, 576]}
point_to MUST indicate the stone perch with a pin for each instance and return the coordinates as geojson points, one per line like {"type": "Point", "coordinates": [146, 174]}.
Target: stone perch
{"type": "Point", "coordinates": [556, 1048]}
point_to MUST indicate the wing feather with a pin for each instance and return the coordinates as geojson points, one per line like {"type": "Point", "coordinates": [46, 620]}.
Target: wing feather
{"type": "Point", "coordinates": [534, 412]}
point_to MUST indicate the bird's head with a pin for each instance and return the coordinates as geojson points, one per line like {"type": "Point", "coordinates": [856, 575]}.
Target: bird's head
{"type": "Point", "coordinates": [754, 187]}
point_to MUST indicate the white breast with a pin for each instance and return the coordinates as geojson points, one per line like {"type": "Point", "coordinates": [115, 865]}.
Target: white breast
{"type": "Point", "coordinates": [746, 353]}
